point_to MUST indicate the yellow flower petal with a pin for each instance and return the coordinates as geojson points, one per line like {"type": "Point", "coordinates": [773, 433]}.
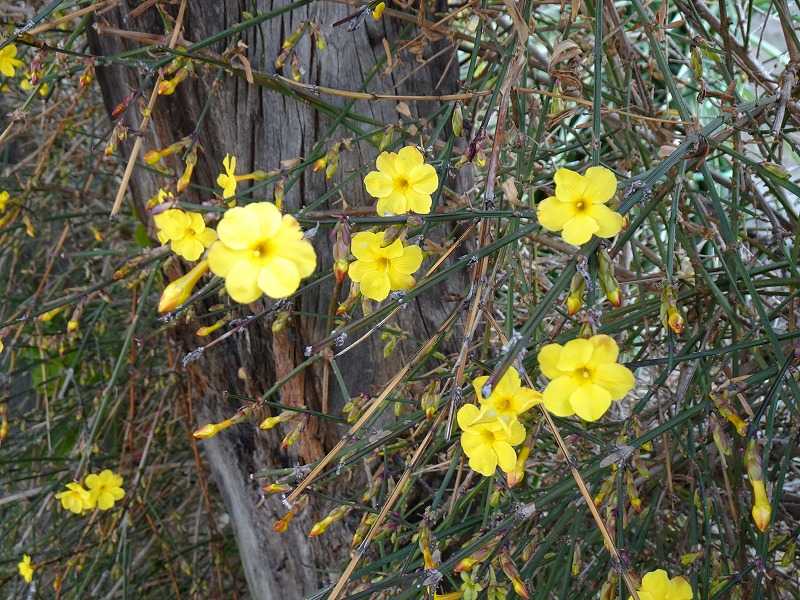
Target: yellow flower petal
{"type": "Point", "coordinates": [417, 202]}
{"type": "Point", "coordinates": [477, 385]}
{"type": "Point", "coordinates": [569, 185]}
{"type": "Point", "coordinates": [221, 258]}
{"type": "Point", "coordinates": [590, 401]}
{"type": "Point", "coordinates": [241, 282]}
{"type": "Point", "coordinates": [615, 378]}
{"type": "Point", "coordinates": [554, 214]}
{"type": "Point", "coordinates": [484, 463]}
{"type": "Point", "coordinates": [601, 185]}
{"type": "Point", "coordinates": [424, 179]}
{"type": "Point", "coordinates": [575, 355]}
{"type": "Point", "coordinates": [379, 185]}
{"type": "Point", "coordinates": [656, 583]}
{"type": "Point", "coordinates": [579, 230]}
{"type": "Point", "coordinates": [375, 285]}
{"type": "Point", "coordinates": [557, 394]}
{"type": "Point", "coordinates": [400, 281]}
{"type": "Point", "coordinates": [506, 457]}
{"type": "Point", "coordinates": [679, 589]}
{"type": "Point", "coordinates": [385, 163]}
{"type": "Point", "coordinates": [467, 415]}
{"type": "Point", "coordinates": [238, 229]}
{"type": "Point", "coordinates": [393, 251]}
{"type": "Point", "coordinates": [516, 433]}
{"type": "Point", "coordinates": [408, 158]}
{"type": "Point", "coordinates": [609, 222]}
{"type": "Point", "coordinates": [358, 269]}
{"type": "Point", "coordinates": [605, 350]}
{"type": "Point", "coordinates": [409, 261]}
{"type": "Point", "coordinates": [548, 358]}
{"type": "Point", "coordinates": [207, 237]}
{"type": "Point", "coordinates": [269, 218]}
{"type": "Point", "coordinates": [395, 204]}
{"type": "Point", "coordinates": [471, 442]}
{"type": "Point", "coordinates": [189, 248]}
{"type": "Point", "coordinates": [363, 244]}
{"type": "Point", "coordinates": [279, 278]}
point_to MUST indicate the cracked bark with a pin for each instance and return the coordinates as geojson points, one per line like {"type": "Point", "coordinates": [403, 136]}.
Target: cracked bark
{"type": "Point", "coordinates": [262, 128]}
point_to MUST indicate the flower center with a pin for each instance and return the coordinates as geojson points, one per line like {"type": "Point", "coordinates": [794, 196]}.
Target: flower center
{"type": "Point", "coordinates": [503, 404]}
{"type": "Point", "coordinates": [487, 437]}
{"type": "Point", "coordinates": [580, 206]}
{"type": "Point", "coordinates": [586, 373]}
{"type": "Point", "coordinates": [262, 250]}
{"type": "Point", "coordinates": [382, 263]}
{"type": "Point", "coordinates": [402, 183]}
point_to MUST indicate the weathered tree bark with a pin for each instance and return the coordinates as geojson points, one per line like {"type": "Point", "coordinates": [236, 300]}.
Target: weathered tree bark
{"type": "Point", "coordinates": [262, 128]}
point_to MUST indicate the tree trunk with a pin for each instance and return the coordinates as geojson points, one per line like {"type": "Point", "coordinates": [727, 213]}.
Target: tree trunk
{"type": "Point", "coordinates": [262, 127]}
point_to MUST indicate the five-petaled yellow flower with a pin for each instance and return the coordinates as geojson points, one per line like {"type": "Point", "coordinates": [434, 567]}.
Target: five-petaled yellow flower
{"type": "Point", "coordinates": [75, 499]}
{"type": "Point", "coordinates": [25, 568]}
{"type": "Point", "coordinates": [186, 231]}
{"type": "Point", "coordinates": [260, 251]}
{"type": "Point", "coordinates": [508, 399]}
{"type": "Point", "coordinates": [487, 442]}
{"type": "Point", "coordinates": [105, 488]}
{"type": "Point", "coordinates": [585, 377]}
{"type": "Point", "coordinates": [579, 208]}
{"type": "Point", "coordinates": [402, 183]}
{"type": "Point", "coordinates": [656, 585]}
{"type": "Point", "coordinates": [9, 61]}
{"type": "Point", "coordinates": [227, 180]}
{"type": "Point", "coordinates": [381, 269]}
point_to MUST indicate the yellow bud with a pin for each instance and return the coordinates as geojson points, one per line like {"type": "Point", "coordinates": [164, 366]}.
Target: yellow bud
{"type": "Point", "coordinates": [206, 431]}
{"type": "Point", "coordinates": [282, 524]}
{"type": "Point", "coordinates": [762, 509]}
{"type": "Point", "coordinates": [72, 325]}
{"type": "Point", "coordinates": [48, 316]}
{"type": "Point", "coordinates": [209, 329]}
{"type": "Point", "coordinates": [276, 488]}
{"type": "Point", "coordinates": [515, 476]}
{"type": "Point", "coordinates": [377, 12]}
{"type": "Point", "coordinates": [510, 569]}
{"type": "Point", "coordinates": [178, 291]}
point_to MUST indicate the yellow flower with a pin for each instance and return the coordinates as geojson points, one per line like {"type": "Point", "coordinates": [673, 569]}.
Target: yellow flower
{"type": "Point", "coordinates": [105, 488]}
{"type": "Point", "coordinates": [9, 61]}
{"type": "Point", "coordinates": [585, 377]}
{"type": "Point", "coordinates": [381, 269]}
{"type": "Point", "coordinates": [656, 585]}
{"type": "Point", "coordinates": [3, 200]}
{"type": "Point", "coordinates": [508, 399]}
{"type": "Point", "coordinates": [186, 231]}
{"type": "Point", "coordinates": [75, 499]}
{"type": "Point", "coordinates": [402, 183]}
{"type": "Point", "coordinates": [487, 441]}
{"type": "Point", "coordinates": [227, 180]}
{"type": "Point", "coordinates": [260, 251]}
{"type": "Point", "coordinates": [377, 12]}
{"type": "Point", "coordinates": [25, 568]}
{"type": "Point", "coordinates": [578, 208]}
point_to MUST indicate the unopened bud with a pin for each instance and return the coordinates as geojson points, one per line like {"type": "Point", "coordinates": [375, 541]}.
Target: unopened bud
{"type": "Point", "coordinates": [457, 121]}
{"type": "Point", "coordinates": [515, 476]}
{"type": "Point", "coordinates": [510, 569]}
{"type": "Point", "coordinates": [762, 509]}
{"type": "Point", "coordinates": [608, 282]}
{"type": "Point", "coordinates": [276, 488]}
{"type": "Point", "coordinates": [211, 429]}
{"type": "Point", "coordinates": [178, 291]}
{"type": "Point", "coordinates": [577, 289]}
{"type": "Point", "coordinates": [671, 317]}
{"type": "Point", "coordinates": [271, 422]}
{"type": "Point", "coordinates": [186, 176]}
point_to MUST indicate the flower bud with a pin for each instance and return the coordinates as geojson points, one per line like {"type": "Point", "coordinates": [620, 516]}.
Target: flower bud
{"type": "Point", "coordinates": [762, 509]}
{"type": "Point", "coordinates": [457, 121]}
{"type": "Point", "coordinates": [377, 12]}
{"type": "Point", "coordinates": [178, 291]}
{"type": "Point", "coordinates": [608, 282]}
{"type": "Point", "coordinates": [291, 438]}
{"type": "Point", "coordinates": [576, 290]}
{"type": "Point", "coordinates": [211, 429]}
{"type": "Point", "coordinates": [271, 422]}
{"type": "Point", "coordinates": [671, 316]}
{"type": "Point", "coordinates": [276, 488]}
{"type": "Point", "coordinates": [424, 542]}
{"type": "Point", "coordinates": [429, 401]}
{"type": "Point", "coordinates": [209, 329]}
{"type": "Point", "coordinates": [515, 476]}
{"type": "Point", "coordinates": [186, 176]}
{"type": "Point", "coordinates": [510, 569]}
